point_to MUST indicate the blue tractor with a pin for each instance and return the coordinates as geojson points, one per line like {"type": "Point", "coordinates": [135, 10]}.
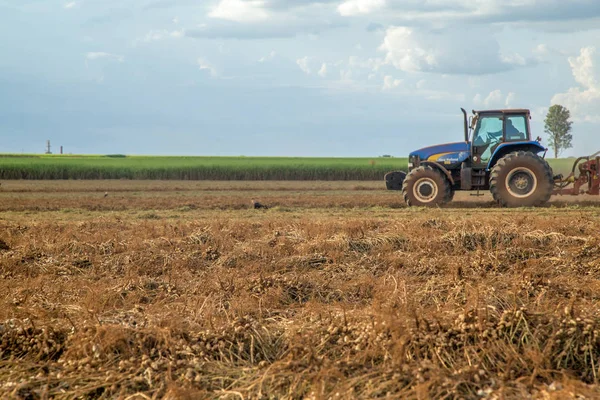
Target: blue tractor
{"type": "Point", "coordinates": [497, 154]}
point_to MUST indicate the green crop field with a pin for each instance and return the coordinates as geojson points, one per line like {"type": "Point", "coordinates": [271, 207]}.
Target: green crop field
{"type": "Point", "coordinates": [205, 168]}
{"type": "Point", "coordinates": [195, 168]}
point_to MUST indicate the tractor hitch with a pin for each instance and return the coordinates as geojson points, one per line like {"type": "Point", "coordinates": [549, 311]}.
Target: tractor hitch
{"type": "Point", "coordinates": [586, 182]}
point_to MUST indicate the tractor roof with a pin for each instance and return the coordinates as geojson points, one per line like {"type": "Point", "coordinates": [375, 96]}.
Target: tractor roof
{"type": "Point", "coordinates": [505, 111]}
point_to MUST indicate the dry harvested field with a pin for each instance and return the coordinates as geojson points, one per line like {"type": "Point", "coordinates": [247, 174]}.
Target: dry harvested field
{"type": "Point", "coordinates": [180, 290]}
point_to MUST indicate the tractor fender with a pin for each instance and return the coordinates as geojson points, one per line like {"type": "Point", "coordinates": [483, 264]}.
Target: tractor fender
{"type": "Point", "coordinates": [505, 148]}
{"type": "Point", "coordinates": [439, 167]}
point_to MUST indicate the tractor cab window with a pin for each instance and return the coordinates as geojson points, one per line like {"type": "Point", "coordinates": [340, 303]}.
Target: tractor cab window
{"type": "Point", "coordinates": [488, 133]}
{"type": "Point", "coordinates": [516, 128]}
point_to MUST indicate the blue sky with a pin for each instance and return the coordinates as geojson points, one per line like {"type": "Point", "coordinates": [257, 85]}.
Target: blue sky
{"type": "Point", "coordinates": [287, 77]}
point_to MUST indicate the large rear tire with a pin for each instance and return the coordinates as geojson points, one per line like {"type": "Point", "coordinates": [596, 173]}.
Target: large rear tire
{"type": "Point", "coordinates": [425, 186]}
{"type": "Point", "coordinates": [521, 179]}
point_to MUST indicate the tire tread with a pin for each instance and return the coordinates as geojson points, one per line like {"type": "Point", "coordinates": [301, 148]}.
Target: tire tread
{"type": "Point", "coordinates": [419, 172]}
{"type": "Point", "coordinates": [545, 185]}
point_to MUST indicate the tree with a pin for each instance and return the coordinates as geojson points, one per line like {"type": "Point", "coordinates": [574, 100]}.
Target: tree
{"type": "Point", "coordinates": [557, 126]}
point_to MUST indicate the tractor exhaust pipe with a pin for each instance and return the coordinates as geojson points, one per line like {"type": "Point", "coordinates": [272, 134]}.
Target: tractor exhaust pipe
{"type": "Point", "coordinates": [466, 124]}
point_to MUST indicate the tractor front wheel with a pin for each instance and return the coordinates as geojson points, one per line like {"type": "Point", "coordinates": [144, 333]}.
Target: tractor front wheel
{"type": "Point", "coordinates": [521, 179]}
{"type": "Point", "coordinates": [425, 186]}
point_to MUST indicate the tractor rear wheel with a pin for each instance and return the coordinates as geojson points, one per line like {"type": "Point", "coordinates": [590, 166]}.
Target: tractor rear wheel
{"type": "Point", "coordinates": [425, 186]}
{"type": "Point", "coordinates": [521, 179]}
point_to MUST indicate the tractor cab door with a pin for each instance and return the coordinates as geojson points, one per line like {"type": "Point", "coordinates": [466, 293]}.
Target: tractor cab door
{"type": "Point", "coordinates": [517, 128]}
{"type": "Point", "coordinates": [487, 136]}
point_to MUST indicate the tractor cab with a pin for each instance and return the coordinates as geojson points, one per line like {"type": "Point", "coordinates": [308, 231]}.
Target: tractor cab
{"type": "Point", "coordinates": [492, 128]}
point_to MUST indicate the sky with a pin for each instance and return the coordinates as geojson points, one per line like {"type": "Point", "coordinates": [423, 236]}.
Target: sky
{"type": "Point", "coordinates": [328, 78]}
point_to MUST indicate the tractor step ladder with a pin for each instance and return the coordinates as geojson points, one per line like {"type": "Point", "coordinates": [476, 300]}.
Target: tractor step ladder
{"type": "Point", "coordinates": [478, 179]}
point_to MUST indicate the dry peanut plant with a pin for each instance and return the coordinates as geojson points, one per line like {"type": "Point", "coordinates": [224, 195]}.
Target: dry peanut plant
{"type": "Point", "coordinates": [207, 299]}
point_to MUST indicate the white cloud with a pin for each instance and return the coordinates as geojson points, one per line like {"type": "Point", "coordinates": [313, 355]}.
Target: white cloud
{"type": "Point", "coordinates": [346, 75]}
{"type": "Point", "coordinates": [271, 55]}
{"type": "Point", "coordinates": [389, 82]}
{"type": "Point", "coordinates": [240, 10]}
{"type": "Point", "coordinates": [97, 55]}
{"type": "Point", "coordinates": [405, 52]}
{"type": "Point", "coordinates": [323, 71]}
{"type": "Point", "coordinates": [510, 99]}
{"type": "Point", "coordinates": [514, 59]}
{"type": "Point", "coordinates": [69, 5]}
{"type": "Point", "coordinates": [412, 50]}
{"type": "Point", "coordinates": [583, 101]}
{"type": "Point", "coordinates": [356, 7]}
{"type": "Point", "coordinates": [541, 50]}
{"type": "Point", "coordinates": [205, 66]}
{"type": "Point", "coordinates": [495, 99]}
{"type": "Point", "coordinates": [175, 20]}
{"type": "Point", "coordinates": [583, 68]}
{"type": "Point", "coordinates": [365, 63]}
{"type": "Point", "coordinates": [303, 63]}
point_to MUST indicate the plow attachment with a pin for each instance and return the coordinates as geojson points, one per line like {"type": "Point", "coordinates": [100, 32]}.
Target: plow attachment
{"type": "Point", "coordinates": [586, 182]}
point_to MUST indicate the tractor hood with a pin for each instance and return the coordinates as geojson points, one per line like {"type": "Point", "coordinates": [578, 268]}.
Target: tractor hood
{"type": "Point", "coordinates": [447, 153]}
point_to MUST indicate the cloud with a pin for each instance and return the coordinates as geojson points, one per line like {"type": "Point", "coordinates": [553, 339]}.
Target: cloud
{"type": "Point", "coordinates": [303, 63]}
{"type": "Point", "coordinates": [240, 10]}
{"type": "Point", "coordinates": [69, 5]}
{"type": "Point", "coordinates": [583, 68]}
{"type": "Point", "coordinates": [98, 55]}
{"type": "Point", "coordinates": [541, 50]}
{"type": "Point", "coordinates": [389, 82]}
{"type": "Point", "coordinates": [323, 71]}
{"type": "Point", "coordinates": [205, 66]}
{"type": "Point", "coordinates": [449, 51]}
{"type": "Point", "coordinates": [271, 56]}
{"type": "Point", "coordinates": [510, 98]}
{"type": "Point", "coordinates": [583, 101]}
{"type": "Point", "coordinates": [346, 75]}
{"type": "Point", "coordinates": [495, 99]}
{"type": "Point", "coordinates": [357, 7]}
